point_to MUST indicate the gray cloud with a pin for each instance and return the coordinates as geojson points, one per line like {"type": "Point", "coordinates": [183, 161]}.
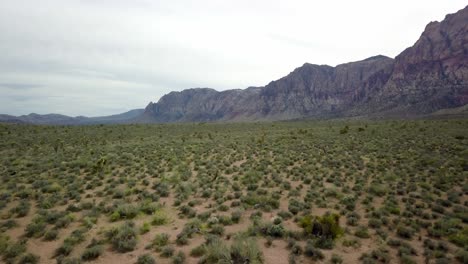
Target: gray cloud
{"type": "Point", "coordinates": [87, 57]}
{"type": "Point", "coordinates": [19, 85]}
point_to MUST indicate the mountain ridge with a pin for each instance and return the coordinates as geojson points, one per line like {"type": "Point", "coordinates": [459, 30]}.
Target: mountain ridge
{"type": "Point", "coordinates": [58, 119]}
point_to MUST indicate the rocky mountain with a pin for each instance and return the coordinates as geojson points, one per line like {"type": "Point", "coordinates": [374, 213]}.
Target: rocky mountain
{"type": "Point", "coordinates": [425, 78]}
{"type": "Point", "coordinates": [56, 119]}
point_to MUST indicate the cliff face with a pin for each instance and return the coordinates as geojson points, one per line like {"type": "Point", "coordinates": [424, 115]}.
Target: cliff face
{"type": "Point", "coordinates": [430, 75]}
{"type": "Point", "coordinates": [310, 90]}
{"type": "Point", "coordinates": [433, 73]}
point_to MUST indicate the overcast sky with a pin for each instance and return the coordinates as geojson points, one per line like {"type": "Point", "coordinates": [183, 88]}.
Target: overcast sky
{"type": "Point", "coordinates": [100, 57]}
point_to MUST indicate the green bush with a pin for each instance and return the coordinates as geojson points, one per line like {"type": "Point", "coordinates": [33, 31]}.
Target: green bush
{"type": "Point", "coordinates": [245, 248]}
{"type": "Point", "coordinates": [92, 252]}
{"type": "Point", "coordinates": [216, 252]}
{"type": "Point", "coordinates": [28, 258]}
{"type": "Point", "coordinates": [35, 229]}
{"type": "Point", "coordinates": [14, 250]}
{"type": "Point", "coordinates": [160, 240]}
{"type": "Point", "coordinates": [4, 242]}
{"type": "Point", "coordinates": [362, 232]}
{"type": "Point", "coordinates": [51, 235]}
{"type": "Point", "coordinates": [124, 211]}
{"type": "Point", "coordinates": [179, 258]}
{"type": "Point", "coordinates": [460, 238]}
{"type": "Point", "coordinates": [462, 255]}
{"type": "Point", "coordinates": [160, 218]}
{"type": "Point", "coordinates": [145, 228]}
{"type": "Point", "coordinates": [404, 231]}
{"type": "Point", "coordinates": [327, 226]}
{"type": "Point", "coordinates": [336, 259]}
{"type": "Point", "coordinates": [380, 255]}
{"type": "Point", "coordinates": [123, 238]}
{"type": "Point", "coordinates": [167, 251]}
{"type": "Point", "coordinates": [146, 259]}
{"type": "Point", "coordinates": [312, 252]}
{"type": "Point", "coordinates": [198, 251]}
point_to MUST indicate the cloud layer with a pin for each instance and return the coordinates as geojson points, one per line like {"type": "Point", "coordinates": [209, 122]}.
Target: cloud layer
{"type": "Point", "coordinates": [99, 57]}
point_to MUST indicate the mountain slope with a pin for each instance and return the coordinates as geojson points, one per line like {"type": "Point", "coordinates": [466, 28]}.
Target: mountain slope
{"type": "Point", "coordinates": [56, 119]}
{"type": "Point", "coordinates": [429, 76]}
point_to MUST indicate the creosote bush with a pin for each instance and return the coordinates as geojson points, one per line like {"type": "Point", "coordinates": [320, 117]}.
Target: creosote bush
{"type": "Point", "coordinates": [326, 226]}
{"type": "Point", "coordinates": [123, 238]}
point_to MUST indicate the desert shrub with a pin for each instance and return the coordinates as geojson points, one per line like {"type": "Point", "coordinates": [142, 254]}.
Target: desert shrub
{"type": "Point", "coordinates": [92, 252]}
{"type": "Point", "coordinates": [8, 225]}
{"type": "Point", "coordinates": [351, 243]}
{"type": "Point", "coordinates": [216, 252]}
{"type": "Point", "coordinates": [148, 207]}
{"type": "Point", "coordinates": [245, 248]}
{"type": "Point", "coordinates": [267, 229]}
{"type": "Point", "coordinates": [14, 250]}
{"type": "Point", "coordinates": [460, 238]}
{"type": "Point", "coordinates": [4, 242]}
{"type": "Point", "coordinates": [198, 251]}
{"type": "Point", "coordinates": [225, 220]}
{"type": "Point", "coordinates": [405, 259]}
{"type": "Point", "coordinates": [64, 250]}
{"type": "Point", "coordinates": [146, 259]}
{"type": "Point", "coordinates": [295, 248]}
{"type": "Point", "coordinates": [182, 239]}
{"type": "Point", "coordinates": [264, 202]}
{"type": "Point", "coordinates": [51, 235]}
{"type": "Point", "coordinates": [336, 259]}
{"type": "Point", "coordinates": [312, 252]}
{"type": "Point", "coordinates": [285, 215]}
{"type": "Point", "coordinates": [160, 218]}
{"type": "Point", "coordinates": [404, 231]}
{"type": "Point", "coordinates": [22, 209]}
{"type": "Point", "coordinates": [378, 189]}
{"type": "Point", "coordinates": [380, 255]}
{"type": "Point", "coordinates": [167, 251]}
{"type": "Point", "coordinates": [236, 216]}
{"type": "Point", "coordinates": [295, 206]}
{"type": "Point", "coordinates": [162, 189]}
{"type": "Point", "coordinates": [145, 228]}
{"type": "Point", "coordinates": [223, 208]}
{"type": "Point", "coordinates": [352, 219]}
{"type": "Point", "coordinates": [179, 258]}
{"type": "Point", "coordinates": [217, 229]}
{"type": "Point", "coordinates": [124, 211]}
{"type": "Point", "coordinates": [324, 242]}
{"type": "Point", "coordinates": [375, 223]}
{"type": "Point", "coordinates": [187, 211]}
{"type": "Point", "coordinates": [462, 256]}
{"type": "Point", "coordinates": [362, 232]}
{"type": "Point", "coordinates": [123, 238]}
{"type": "Point", "coordinates": [64, 221]}
{"type": "Point", "coordinates": [76, 237]}
{"type": "Point", "coordinates": [327, 226]}
{"type": "Point", "coordinates": [160, 240]}
{"type": "Point", "coordinates": [28, 258]}
{"type": "Point", "coordinates": [35, 228]}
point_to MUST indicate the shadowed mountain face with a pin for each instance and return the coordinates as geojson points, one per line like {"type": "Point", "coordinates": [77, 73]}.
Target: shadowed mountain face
{"type": "Point", "coordinates": [429, 76]}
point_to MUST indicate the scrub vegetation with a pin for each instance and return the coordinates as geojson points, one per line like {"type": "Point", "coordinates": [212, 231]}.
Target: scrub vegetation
{"type": "Point", "coordinates": [278, 192]}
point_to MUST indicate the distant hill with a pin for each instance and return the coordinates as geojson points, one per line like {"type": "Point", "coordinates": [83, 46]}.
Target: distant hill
{"type": "Point", "coordinates": [56, 119]}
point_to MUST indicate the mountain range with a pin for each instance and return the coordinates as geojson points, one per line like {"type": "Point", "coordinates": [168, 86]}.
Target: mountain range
{"type": "Point", "coordinates": [428, 79]}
